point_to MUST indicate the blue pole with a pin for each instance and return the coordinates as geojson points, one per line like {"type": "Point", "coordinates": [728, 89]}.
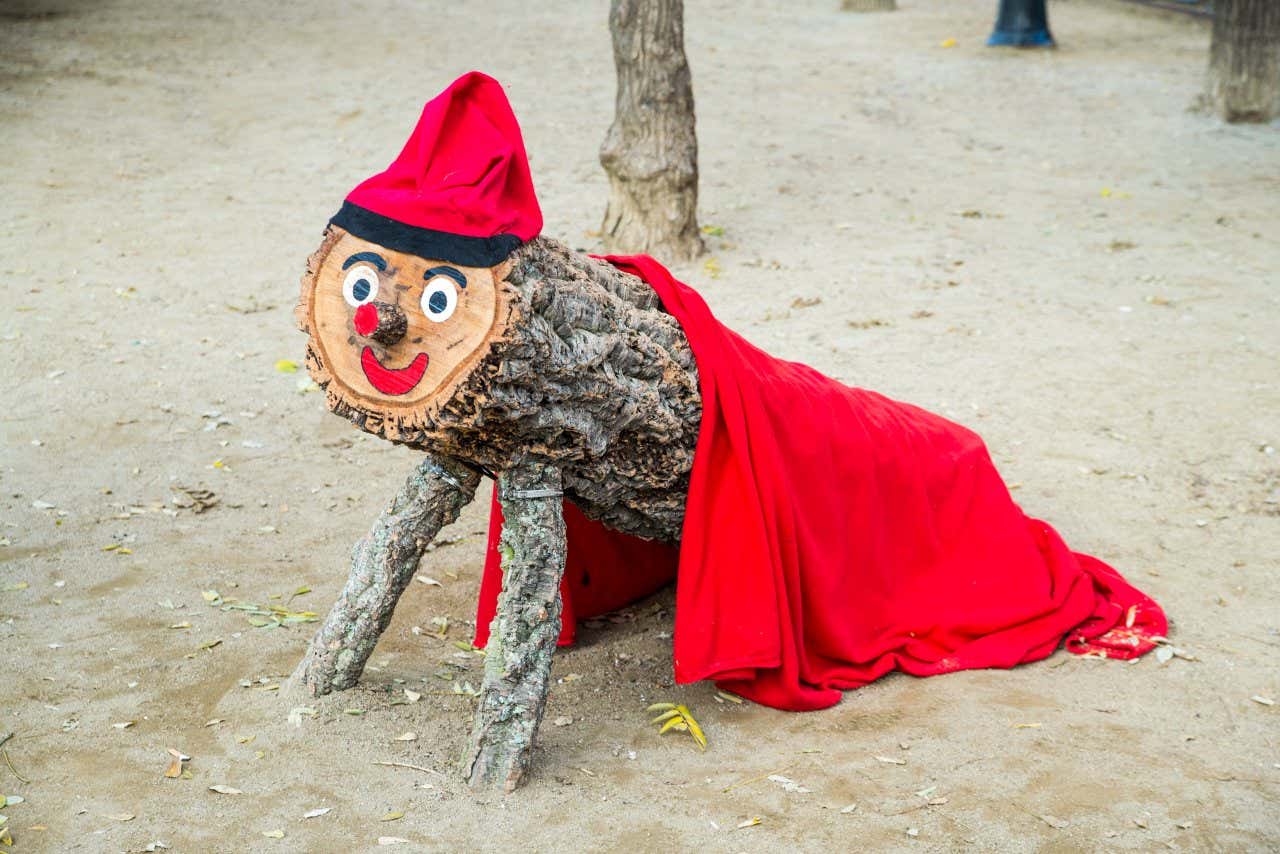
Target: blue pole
{"type": "Point", "coordinates": [1021, 23]}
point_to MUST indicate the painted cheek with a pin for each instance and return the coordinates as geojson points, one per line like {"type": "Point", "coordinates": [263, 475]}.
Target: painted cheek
{"type": "Point", "coordinates": [366, 319]}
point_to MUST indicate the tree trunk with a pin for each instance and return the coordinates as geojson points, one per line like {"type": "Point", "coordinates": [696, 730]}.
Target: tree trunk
{"type": "Point", "coordinates": [1244, 60]}
{"type": "Point", "coordinates": [651, 150]}
{"type": "Point", "coordinates": [1021, 23]}
{"type": "Point", "coordinates": [517, 667]}
{"type": "Point", "coordinates": [382, 565]}
{"type": "Point", "coordinates": [869, 5]}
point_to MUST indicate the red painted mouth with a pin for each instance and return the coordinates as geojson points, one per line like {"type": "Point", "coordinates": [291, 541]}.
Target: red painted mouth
{"type": "Point", "coordinates": [393, 380]}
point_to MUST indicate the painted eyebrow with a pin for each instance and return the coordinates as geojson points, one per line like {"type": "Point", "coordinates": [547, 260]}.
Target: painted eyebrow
{"type": "Point", "coordinates": [371, 257]}
{"type": "Point", "coordinates": [446, 271]}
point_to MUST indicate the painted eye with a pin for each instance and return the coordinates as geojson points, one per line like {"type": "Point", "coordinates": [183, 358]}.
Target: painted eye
{"type": "Point", "coordinates": [360, 286]}
{"type": "Point", "coordinates": [439, 299]}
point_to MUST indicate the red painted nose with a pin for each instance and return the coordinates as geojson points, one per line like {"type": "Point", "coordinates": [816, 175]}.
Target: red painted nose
{"type": "Point", "coordinates": [366, 319]}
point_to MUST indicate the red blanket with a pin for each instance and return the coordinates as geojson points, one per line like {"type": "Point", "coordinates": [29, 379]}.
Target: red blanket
{"type": "Point", "coordinates": [832, 535]}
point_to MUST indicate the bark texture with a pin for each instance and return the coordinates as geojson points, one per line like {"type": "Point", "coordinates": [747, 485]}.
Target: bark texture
{"type": "Point", "coordinates": [382, 565]}
{"type": "Point", "coordinates": [1244, 60]}
{"type": "Point", "coordinates": [523, 635]}
{"type": "Point", "coordinates": [651, 150]}
{"type": "Point", "coordinates": [590, 375]}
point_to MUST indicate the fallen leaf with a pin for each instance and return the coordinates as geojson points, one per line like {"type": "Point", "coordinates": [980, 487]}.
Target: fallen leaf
{"type": "Point", "coordinates": [124, 724]}
{"type": "Point", "coordinates": [891, 761]}
{"type": "Point", "coordinates": [947, 43]}
{"type": "Point", "coordinates": [273, 834]}
{"type": "Point", "coordinates": [788, 785]}
{"type": "Point", "coordinates": [225, 790]}
{"type": "Point", "coordinates": [316, 813]}
{"type": "Point", "coordinates": [751, 822]}
{"type": "Point", "coordinates": [563, 720]}
{"type": "Point", "coordinates": [852, 808]}
{"type": "Point", "coordinates": [408, 736]}
{"type": "Point", "coordinates": [1265, 701]}
{"type": "Point", "coordinates": [392, 816]}
{"type": "Point", "coordinates": [175, 767]}
{"type": "Point", "coordinates": [120, 816]}
{"type": "Point", "coordinates": [412, 696]}
{"type": "Point", "coordinates": [391, 840]}
{"type": "Point", "coordinates": [287, 366]}
{"type": "Point", "coordinates": [426, 579]}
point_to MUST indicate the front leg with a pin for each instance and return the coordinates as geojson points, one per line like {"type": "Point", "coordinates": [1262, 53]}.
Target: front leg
{"type": "Point", "coordinates": [524, 631]}
{"type": "Point", "coordinates": [382, 565]}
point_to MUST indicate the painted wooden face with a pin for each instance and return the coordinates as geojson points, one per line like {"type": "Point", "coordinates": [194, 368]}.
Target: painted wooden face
{"type": "Point", "coordinates": [392, 330]}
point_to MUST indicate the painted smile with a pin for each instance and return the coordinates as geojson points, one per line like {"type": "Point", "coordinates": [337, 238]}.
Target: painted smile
{"type": "Point", "coordinates": [394, 381]}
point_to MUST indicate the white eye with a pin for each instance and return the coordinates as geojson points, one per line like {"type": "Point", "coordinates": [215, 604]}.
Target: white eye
{"type": "Point", "coordinates": [360, 286]}
{"type": "Point", "coordinates": [439, 299]}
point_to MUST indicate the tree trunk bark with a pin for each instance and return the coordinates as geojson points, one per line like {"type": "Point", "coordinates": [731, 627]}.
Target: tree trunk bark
{"type": "Point", "coordinates": [1244, 60]}
{"type": "Point", "coordinates": [382, 565]}
{"type": "Point", "coordinates": [517, 668]}
{"type": "Point", "coordinates": [651, 150]}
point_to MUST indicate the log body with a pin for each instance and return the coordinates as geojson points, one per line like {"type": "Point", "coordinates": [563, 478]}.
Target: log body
{"type": "Point", "coordinates": [582, 370]}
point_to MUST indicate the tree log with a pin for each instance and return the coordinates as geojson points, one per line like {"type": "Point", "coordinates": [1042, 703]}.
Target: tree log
{"type": "Point", "coordinates": [1244, 60]}
{"type": "Point", "coordinates": [382, 565]}
{"type": "Point", "coordinates": [651, 150]}
{"type": "Point", "coordinates": [517, 668]}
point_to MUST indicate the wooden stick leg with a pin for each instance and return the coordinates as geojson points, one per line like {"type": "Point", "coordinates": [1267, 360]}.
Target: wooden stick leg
{"type": "Point", "coordinates": [382, 565]}
{"type": "Point", "coordinates": [525, 628]}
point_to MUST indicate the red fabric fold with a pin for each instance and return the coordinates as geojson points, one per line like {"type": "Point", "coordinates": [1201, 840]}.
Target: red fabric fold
{"type": "Point", "coordinates": [832, 535]}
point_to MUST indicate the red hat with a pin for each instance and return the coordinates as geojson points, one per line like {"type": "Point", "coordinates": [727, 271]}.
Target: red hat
{"type": "Point", "coordinates": [460, 190]}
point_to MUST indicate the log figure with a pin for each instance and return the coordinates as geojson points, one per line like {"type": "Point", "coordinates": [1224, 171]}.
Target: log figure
{"type": "Point", "coordinates": [437, 318]}
{"type": "Point", "coordinates": [560, 375]}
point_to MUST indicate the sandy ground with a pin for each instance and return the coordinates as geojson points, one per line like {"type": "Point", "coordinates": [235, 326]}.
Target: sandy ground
{"type": "Point", "coordinates": [1048, 247]}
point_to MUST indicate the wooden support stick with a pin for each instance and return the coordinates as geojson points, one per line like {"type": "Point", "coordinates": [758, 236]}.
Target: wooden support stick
{"type": "Point", "coordinates": [525, 628]}
{"type": "Point", "coordinates": [382, 565]}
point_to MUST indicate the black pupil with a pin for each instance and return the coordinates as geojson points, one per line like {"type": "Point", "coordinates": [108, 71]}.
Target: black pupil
{"type": "Point", "coordinates": [438, 302]}
{"type": "Point", "coordinates": [360, 290]}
